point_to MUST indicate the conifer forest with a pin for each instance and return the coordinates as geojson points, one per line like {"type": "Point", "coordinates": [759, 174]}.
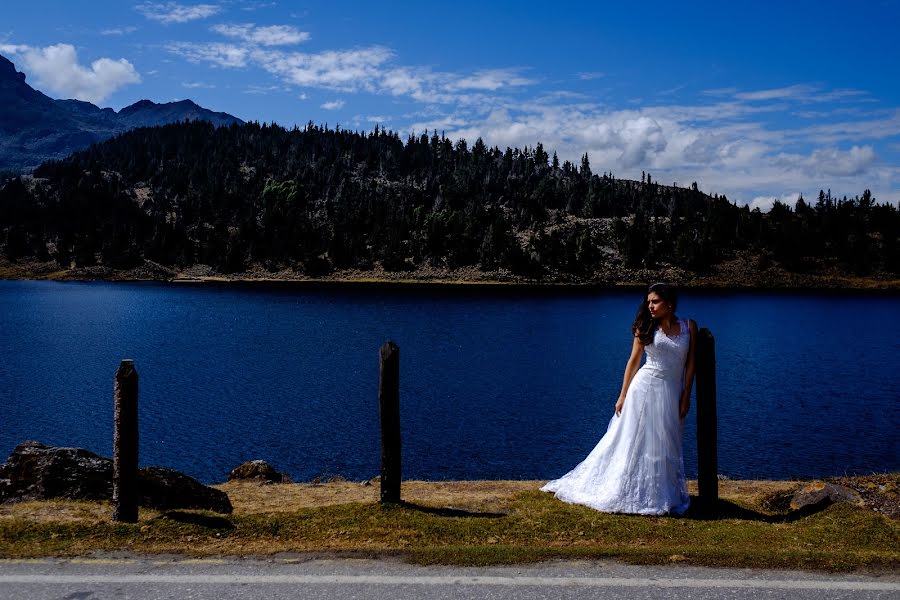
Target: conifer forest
{"type": "Point", "coordinates": [318, 200]}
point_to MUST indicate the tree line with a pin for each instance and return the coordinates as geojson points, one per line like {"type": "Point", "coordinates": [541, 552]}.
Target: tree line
{"type": "Point", "coordinates": [318, 199]}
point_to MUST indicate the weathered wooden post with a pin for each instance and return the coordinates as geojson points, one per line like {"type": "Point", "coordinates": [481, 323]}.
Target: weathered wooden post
{"type": "Point", "coordinates": [707, 453]}
{"type": "Point", "coordinates": [389, 411]}
{"type": "Point", "coordinates": [125, 444]}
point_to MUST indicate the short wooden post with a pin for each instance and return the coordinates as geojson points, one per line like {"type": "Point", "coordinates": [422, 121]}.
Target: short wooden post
{"type": "Point", "coordinates": [389, 411]}
{"type": "Point", "coordinates": [707, 453]}
{"type": "Point", "coordinates": [125, 444]}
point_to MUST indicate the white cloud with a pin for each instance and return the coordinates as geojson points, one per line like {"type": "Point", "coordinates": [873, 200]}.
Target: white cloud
{"type": "Point", "coordinates": [589, 75]}
{"type": "Point", "coordinates": [450, 123]}
{"type": "Point", "coordinates": [793, 91]}
{"type": "Point", "coordinates": [801, 92]}
{"type": "Point", "coordinates": [831, 161]}
{"type": "Point", "coordinates": [56, 69]}
{"type": "Point", "coordinates": [172, 12]}
{"type": "Point", "coordinates": [272, 35]}
{"type": "Point", "coordinates": [672, 90]}
{"type": "Point", "coordinates": [873, 128]}
{"type": "Point", "coordinates": [624, 139]}
{"type": "Point", "coordinates": [344, 70]}
{"type": "Point", "coordinates": [424, 85]}
{"type": "Point", "coordinates": [118, 31]}
{"type": "Point", "coordinates": [490, 80]}
{"type": "Point", "coordinates": [640, 138]}
{"type": "Point", "coordinates": [261, 89]}
{"type": "Point", "coordinates": [257, 6]}
{"type": "Point", "coordinates": [222, 55]}
{"type": "Point", "coordinates": [193, 85]}
{"type": "Point", "coordinates": [765, 203]}
{"type": "Point", "coordinates": [333, 105]}
{"type": "Point", "coordinates": [842, 94]}
{"type": "Point", "coordinates": [366, 69]}
{"type": "Point", "coordinates": [13, 48]}
{"type": "Point", "coordinates": [403, 81]}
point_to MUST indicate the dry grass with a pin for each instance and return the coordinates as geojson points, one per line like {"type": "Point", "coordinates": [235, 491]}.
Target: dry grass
{"type": "Point", "coordinates": [249, 497]}
{"type": "Point", "coordinates": [56, 511]}
{"type": "Point", "coordinates": [469, 523]}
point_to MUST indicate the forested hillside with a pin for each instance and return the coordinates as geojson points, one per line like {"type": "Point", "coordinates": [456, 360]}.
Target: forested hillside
{"type": "Point", "coordinates": [318, 200]}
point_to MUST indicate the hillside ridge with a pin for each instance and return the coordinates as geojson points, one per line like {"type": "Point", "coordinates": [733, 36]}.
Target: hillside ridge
{"type": "Point", "coordinates": [35, 128]}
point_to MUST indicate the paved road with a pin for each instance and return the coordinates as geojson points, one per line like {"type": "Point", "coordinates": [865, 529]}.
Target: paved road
{"type": "Point", "coordinates": [148, 578]}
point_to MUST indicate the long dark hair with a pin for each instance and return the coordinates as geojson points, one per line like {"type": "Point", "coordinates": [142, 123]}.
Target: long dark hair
{"type": "Point", "coordinates": [644, 326]}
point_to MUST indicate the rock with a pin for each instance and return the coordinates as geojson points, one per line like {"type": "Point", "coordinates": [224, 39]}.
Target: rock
{"type": "Point", "coordinates": [256, 469]}
{"type": "Point", "coordinates": [167, 489]}
{"type": "Point", "coordinates": [38, 472]}
{"type": "Point", "coordinates": [818, 492]}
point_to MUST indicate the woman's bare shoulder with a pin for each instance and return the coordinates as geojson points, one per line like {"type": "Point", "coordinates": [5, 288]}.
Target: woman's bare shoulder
{"type": "Point", "coordinates": [692, 326]}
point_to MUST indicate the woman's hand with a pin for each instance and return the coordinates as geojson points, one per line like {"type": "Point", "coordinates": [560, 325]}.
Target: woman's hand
{"type": "Point", "coordinates": [619, 404]}
{"type": "Point", "coordinates": [685, 404]}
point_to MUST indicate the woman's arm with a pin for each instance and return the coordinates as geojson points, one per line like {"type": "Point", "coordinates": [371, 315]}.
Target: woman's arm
{"type": "Point", "coordinates": [685, 403]}
{"type": "Point", "coordinates": [634, 363]}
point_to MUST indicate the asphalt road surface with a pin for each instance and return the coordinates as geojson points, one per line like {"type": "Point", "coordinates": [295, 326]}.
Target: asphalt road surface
{"type": "Point", "coordinates": [145, 578]}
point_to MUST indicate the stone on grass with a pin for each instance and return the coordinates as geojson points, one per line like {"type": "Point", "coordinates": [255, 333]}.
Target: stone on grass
{"type": "Point", "coordinates": [817, 492]}
{"type": "Point", "coordinates": [167, 489]}
{"type": "Point", "coordinates": [37, 472]}
{"type": "Point", "coordinates": [258, 470]}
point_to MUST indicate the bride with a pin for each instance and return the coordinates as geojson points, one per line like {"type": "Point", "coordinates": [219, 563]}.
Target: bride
{"type": "Point", "coordinates": [638, 467]}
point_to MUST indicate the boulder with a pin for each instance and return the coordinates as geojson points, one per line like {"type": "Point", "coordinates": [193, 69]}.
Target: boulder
{"type": "Point", "coordinates": [167, 489]}
{"type": "Point", "coordinates": [37, 472]}
{"type": "Point", "coordinates": [256, 469]}
{"type": "Point", "coordinates": [818, 492]}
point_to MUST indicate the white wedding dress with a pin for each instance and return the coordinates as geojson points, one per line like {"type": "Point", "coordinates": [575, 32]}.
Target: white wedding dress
{"type": "Point", "coordinates": [638, 466]}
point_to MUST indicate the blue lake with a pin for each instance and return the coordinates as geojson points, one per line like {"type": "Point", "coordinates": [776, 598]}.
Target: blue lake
{"type": "Point", "coordinates": [494, 384]}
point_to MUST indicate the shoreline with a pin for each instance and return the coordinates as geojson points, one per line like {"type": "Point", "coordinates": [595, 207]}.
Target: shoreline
{"type": "Point", "coordinates": [891, 288]}
{"type": "Point", "coordinates": [468, 278]}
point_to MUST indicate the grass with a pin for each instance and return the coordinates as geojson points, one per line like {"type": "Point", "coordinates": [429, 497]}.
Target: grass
{"type": "Point", "coordinates": [467, 523]}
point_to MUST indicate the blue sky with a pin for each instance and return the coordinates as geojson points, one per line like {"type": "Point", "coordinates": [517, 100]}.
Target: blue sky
{"type": "Point", "coordinates": [755, 100]}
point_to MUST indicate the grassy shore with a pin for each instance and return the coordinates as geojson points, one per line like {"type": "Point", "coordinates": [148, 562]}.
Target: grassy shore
{"type": "Point", "coordinates": [742, 273]}
{"type": "Point", "coordinates": [478, 523]}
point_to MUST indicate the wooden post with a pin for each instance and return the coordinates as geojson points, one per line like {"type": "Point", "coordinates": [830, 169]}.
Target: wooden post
{"type": "Point", "coordinates": [389, 411]}
{"type": "Point", "coordinates": [125, 444]}
{"type": "Point", "coordinates": [707, 453]}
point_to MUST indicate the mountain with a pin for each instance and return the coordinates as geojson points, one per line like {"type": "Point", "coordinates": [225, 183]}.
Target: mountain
{"type": "Point", "coordinates": [35, 128]}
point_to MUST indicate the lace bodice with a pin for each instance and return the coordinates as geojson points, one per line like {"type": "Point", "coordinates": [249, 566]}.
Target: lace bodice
{"type": "Point", "coordinates": [669, 353]}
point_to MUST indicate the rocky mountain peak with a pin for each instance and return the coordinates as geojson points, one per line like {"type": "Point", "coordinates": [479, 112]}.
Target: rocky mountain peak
{"type": "Point", "coordinates": [35, 128]}
{"type": "Point", "coordinates": [8, 70]}
{"type": "Point", "coordinates": [139, 105]}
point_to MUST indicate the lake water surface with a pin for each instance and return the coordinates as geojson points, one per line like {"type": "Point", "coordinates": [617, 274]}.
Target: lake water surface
{"type": "Point", "coordinates": [508, 384]}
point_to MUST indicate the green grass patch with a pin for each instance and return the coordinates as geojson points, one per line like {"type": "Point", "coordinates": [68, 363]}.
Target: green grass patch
{"type": "Point", "coordinates": [533, 526]}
